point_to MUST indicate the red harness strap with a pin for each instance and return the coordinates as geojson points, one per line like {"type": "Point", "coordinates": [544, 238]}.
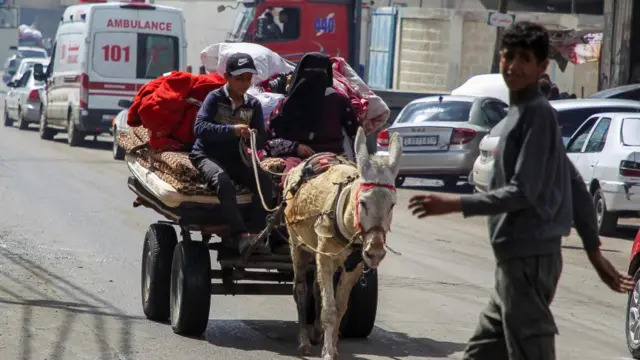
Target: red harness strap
{"type": "Point", "coordinates": [364, 187]}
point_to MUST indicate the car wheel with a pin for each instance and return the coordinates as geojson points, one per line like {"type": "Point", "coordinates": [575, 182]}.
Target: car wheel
{"type": "Point", "coordinates": [22, 123]}
{"type": "Point", "coordinates": [118, 151]}
{"type": "Point", "coordinates": [632, 324]}
{"type": "Point", "coordinates": [7, 120]}
{"type": "Point", "coordinates": [607, 221]}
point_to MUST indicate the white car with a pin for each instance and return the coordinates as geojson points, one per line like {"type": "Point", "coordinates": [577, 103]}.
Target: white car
{"type": "Point", "coordinates": [571, 114]}
{"type": "Point", "coordinates": [28, 63]}
{"type": "Point", "coordinates": [118, 126]}
{"type": "Point", "coordinates": [606, 152]}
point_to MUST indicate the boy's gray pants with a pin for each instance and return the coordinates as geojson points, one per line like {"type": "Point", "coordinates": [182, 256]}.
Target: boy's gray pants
{"type": "Point", "coordinates": [517, 324]}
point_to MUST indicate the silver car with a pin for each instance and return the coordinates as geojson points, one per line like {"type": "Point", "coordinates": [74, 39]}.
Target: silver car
{"type": "Point", "coordinates": [571, 114]}
{"type": "Point", "coordinates": [23, 102]}
{"type": "Point", "coordinates": [440, 135]}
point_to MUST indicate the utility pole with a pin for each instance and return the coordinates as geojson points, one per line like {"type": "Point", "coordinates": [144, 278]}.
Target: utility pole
{"type": "Point", "coordinates": [495, 64]}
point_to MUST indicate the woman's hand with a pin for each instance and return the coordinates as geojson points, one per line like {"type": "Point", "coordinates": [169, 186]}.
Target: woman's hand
{"type": "Point", "coordinates": [304, 151]}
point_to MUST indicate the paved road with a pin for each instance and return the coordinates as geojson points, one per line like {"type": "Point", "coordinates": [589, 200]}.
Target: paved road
{"type": "Point", "coordinates": [70, 245]}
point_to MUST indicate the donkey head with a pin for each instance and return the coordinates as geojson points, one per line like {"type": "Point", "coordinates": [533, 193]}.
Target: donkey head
{"type": "Point", "coordinates": [375, 196]}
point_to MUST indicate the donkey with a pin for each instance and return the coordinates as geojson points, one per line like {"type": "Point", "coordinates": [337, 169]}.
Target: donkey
{"type": "Point", "coordinates": [344, 206]}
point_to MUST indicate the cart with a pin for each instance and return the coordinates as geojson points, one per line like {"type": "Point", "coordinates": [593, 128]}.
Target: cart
{"type": "Point", "coordinates": [178, 279]}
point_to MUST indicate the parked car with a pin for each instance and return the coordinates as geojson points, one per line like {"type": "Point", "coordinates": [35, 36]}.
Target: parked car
{"type": "Point", "coordinates": [440, 135]}
{"type": "Point", "coordinates": [23, 101]}
{"type": "Point", "coordinates": [571, 114]}
{"type": "Point", "coordinates": [627, 92]}
{"type": "Point", "coordinates": [118, 126]}
{"type": "Point", "coordinates": [606, 152]}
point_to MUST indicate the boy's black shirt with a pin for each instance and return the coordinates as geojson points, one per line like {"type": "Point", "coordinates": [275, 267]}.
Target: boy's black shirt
{"type": "Point", "coordinates": [213, 128]}
{"type": "Point", "coordinates": [535, 192]}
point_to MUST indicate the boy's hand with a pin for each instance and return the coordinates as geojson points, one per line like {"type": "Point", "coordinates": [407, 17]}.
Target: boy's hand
{"type": "Point", "coordinates": [434, 204]}
{"type": "Point", "coordinates": [241, 130]}
{"type": "Point", "coordinates": [615, 280]}
{"type": "Point", "coordinates": [304, 151]}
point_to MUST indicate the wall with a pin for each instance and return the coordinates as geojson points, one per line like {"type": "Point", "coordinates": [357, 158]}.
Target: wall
{"type": "Point", "coordinates": [439, 49]}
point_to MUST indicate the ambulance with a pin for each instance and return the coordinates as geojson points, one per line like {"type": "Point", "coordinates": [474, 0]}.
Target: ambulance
{"type": "Point", "coordinates": [104, 52]}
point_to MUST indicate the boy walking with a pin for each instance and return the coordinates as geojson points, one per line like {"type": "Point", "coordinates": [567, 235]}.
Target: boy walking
{"type": "Point", "coordinates": [535, 195]}
{"type": "Point", "coordinates": [228, 114]}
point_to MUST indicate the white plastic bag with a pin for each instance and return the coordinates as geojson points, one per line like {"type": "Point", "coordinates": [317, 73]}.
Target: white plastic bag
{"type": "Point", "coordinates": [268, 63]}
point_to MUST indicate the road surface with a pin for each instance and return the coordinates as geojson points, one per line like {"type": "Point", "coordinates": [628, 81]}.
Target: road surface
{"type": "Point", "coordinates": [70, 247]}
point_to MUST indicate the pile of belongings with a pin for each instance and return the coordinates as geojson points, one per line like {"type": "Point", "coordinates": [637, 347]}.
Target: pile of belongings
{"type": "Point", "coordinates": [371, 110]}
{"type": "Point", "coordinates": [163, 112]}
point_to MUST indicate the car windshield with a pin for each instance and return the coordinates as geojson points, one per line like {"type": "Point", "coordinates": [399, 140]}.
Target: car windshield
{"type": "Point", "coordinates": [241, 25]}
{"type": "Point", "coordinates": [630, 134]}
{"type": "Point", "coordinates": [436, 111]}
{"type": "Point", "coordinates": [33, 53]}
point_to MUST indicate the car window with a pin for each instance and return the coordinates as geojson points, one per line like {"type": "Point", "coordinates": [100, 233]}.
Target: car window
{"type": "Point", "coordinates": [24, 79]}
{"type": "Point", "coordinates": [577, 142]}
{"type": "Point", "coordinates": [628, 95]}
{"type": "Point", "coordinates": [436, 111]}
{"type": "Point", "coordinates": [32, 53]}
{"type": "Point", "coordinates": [494, 112]}
{"type": "Point", "coordinates": [630, 134]}
{"type": "Point", "coordinates": [571, 119]}
{"type": "Point", "coordinates": [599, 136]}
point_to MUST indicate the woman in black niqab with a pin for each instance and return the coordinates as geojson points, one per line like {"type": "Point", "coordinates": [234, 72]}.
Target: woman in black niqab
{"type": "Point", "coordinates": [305, 98]}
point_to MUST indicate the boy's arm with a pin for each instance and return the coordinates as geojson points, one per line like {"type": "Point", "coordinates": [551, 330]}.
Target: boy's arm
{"type": "Point", "coordinates": [257, 122]}
{"type": "Point", "coordinates": [584, 214]}
{"type": "Point", "coordinates": [530, 169]}
{"type": "Point", "coordinates": [205, 128]}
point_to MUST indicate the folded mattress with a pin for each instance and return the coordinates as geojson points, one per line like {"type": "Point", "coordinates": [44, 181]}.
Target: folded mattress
{"type": "Point", "coordinates": [166, 193]}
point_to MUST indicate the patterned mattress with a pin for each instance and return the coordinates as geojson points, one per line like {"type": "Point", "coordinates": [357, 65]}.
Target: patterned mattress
{"type": "Point", "coordinates": [170, 174]}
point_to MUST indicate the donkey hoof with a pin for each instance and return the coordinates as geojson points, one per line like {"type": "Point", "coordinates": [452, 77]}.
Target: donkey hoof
{"type": "Point", "coordinates": [304, 349]}
{"type": "Point", "coordinates": [316, 336]}
{"type": "Point", "coordinates": [326, 355]}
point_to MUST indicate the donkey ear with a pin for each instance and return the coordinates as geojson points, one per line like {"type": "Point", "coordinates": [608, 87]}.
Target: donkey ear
{"type": "Point", "coordinates": [362, 154]}
{"type": "Point", "coordinates": [395, 152]}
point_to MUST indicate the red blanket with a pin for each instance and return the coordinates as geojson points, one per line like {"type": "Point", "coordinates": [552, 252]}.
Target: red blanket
{"type": "Point", "coordinates": [166, 108]}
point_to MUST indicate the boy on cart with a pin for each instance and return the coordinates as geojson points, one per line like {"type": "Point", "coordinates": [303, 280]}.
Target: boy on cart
{"type": "Point", "coordinates": [227, 115]}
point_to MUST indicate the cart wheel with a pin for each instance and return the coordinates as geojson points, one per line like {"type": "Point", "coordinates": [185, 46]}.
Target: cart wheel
{"type": "Point", "coordinates": [360, 317]}
{"type": "Point", "coordinates": [190, 288]}
{"type": "Point", "coordinates": [157, 252]}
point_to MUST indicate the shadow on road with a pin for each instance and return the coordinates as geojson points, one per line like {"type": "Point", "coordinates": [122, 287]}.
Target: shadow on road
{"type": "Point", "coordinates": [626, 232]}
{"type": "Point", "coordinates": [82, 303]}
{"type": "Point", "coordinates": [283, 336]}
{"type": "Point", "coordinates": [89, 143]}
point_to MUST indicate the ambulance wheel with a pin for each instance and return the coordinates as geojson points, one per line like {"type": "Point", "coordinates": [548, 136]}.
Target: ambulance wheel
{"type": "Point", "coordinates": [157, 253]}
{"type": "Point", "coordinates": [360, 318]}
{"type": "Point", "coordinates": [75, 137]}
{"type": "Point", "coordinates": [46, 133]}
{"type": "Point", "coordinates": [7, 120]}
{"type": "Point", "coordinates": [190, 288]}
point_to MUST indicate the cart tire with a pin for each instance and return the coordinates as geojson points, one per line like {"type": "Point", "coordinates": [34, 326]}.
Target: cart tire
{"type": "Point", "coordinates": [190, 288]}
{"type": "Point", "coordinates": [157, 253]}
{"type": "Point", "coordinates": [360, 317]}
